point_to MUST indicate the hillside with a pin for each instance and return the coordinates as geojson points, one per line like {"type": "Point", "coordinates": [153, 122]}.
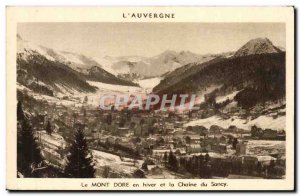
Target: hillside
{"type": "Point", "coordinates": [47, 77]}
{"type": "Point", "coordinates": [258, 78]}
{"type": "Point", "coordinates": [255, 74]}
{"type": "Point", "coordinates": [48, 71]}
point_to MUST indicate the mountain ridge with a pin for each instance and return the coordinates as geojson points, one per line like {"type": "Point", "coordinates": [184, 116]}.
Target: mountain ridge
{"type": "Point", "coordinates": [247, 73]}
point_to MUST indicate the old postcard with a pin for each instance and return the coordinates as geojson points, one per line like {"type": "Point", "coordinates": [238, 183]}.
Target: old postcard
{"type": "Point", "coordinates": [150, 98]}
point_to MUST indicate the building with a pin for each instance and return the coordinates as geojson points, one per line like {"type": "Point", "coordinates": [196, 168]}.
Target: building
{"type": "Point", "coordinates": [123, 131]}
{"type": "Point", "coordinates": [155, 170]}
{"type": "Point", "coordinates": [196, 139]}
{"type": "Point", "coordinates": [220, 148]}
{"type": "Point", "coordinates": [269, 134]}
{"type": "Point", "coordinates": [241, 148]}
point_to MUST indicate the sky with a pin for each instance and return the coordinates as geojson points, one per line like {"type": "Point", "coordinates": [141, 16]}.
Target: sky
{"type": "Point", "coordinates": [148, 39]}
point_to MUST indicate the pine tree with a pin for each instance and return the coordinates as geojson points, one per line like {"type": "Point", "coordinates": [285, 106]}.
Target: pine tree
{"type": "Point", "coordinates": [28, 151]}
{"type": "Point", "coordinates": [48, 128]}
{"type": "Point", "coordinates": [80, 161]}
{"type": "Point", "coordinates": [145, 166]}
{"type": "Point", "coordinates": [106, 171]}
{"type": "Point", "coordinates": [259, 168]}
{"type": "Point", "coordinates": [20, 113]}
{"type": "Point", "coordinates": [234, 143]}
{"type": "Point", "coordinates": [201, 165]}
{"type": "Point", "coordinates": [173, 165]}
{"type": "Point", "coordinates": [165, 158]}
{"type": "Point", "coordinates": [109, 119]}
{"type": "Point", "coordinates": [85, 100]}
{"type": "Point", "coordinates": [207, 158]}
{"type": "Point", "coordinates": [271, 167]}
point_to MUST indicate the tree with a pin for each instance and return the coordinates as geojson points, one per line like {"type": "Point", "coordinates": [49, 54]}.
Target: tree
{"type": "Point", "coordinates": [271, 167]}
{"type": "Point", "coordinates": [20, 113]}
{"type": "Point", "coordinates": [145, 166]}
{"type": "Point", "coordinates": [49, 128]}
{"type": "Point", "coordinates": [109, 119]}
{"type": "Point", "coordinates": [234, 143]}
{"type": "Point", "coordinates": [206, 157]}
{"type": "Point", "coordinates": [106, 171]}
{"type": "Point", "coordinates": [85, 100]}
{"type": "Point", "coordinates": [259, 168]}
{"type": "Point", "coordinates": [201, 165]}
{"type": "Point", "coordinates": [84, 112]}
{"type": "Point", "coordinates": [28, 152]}
{"type": "Point", "coordinates": [173, 165]}
{"type": "Point", "coordinates": [80, 161]}
{"type": "Point", "coordinates": [142, 121]}
{"type": "Point", "coordinates": [122, 122]}
{"type": "Point", "coordinates": [165, 158]}
{"type": "Point", "coordinates": [188, 140]}
{"type": "Point", "coordinates": [206, 172]}
{"type": "Point", "coordinates": [135, 161]}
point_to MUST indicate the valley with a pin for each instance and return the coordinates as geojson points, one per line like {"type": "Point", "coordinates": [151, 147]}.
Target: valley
{"type": "Point", "coordinates": [238, 130]}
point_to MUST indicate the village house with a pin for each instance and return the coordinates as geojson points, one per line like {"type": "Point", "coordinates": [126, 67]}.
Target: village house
{"type": "Point", "coordinates": [155, 170]}
{"type": "Point", "coordinates": [250, 161]}
{"type": "Point", "coordinates": [123, 131]}
{"type": "Point", "coordinates": [241, 148]}
{"type": "Point", "coordinates": [196, 139]}
{"type": "Point", "coordinates": [269, 134]}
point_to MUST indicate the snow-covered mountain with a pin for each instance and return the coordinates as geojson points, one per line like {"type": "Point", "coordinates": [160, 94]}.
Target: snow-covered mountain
{"type": "Point", "coordinates": [133, 67]}
{"type": "Point", "coordinates": [51, 71]}
{"type": "Point", "coordinates": [257, 46]}
{"type": "Point", "coordinates": [257, 71]}
{"type": "Point", "coordinates": [244, 89]}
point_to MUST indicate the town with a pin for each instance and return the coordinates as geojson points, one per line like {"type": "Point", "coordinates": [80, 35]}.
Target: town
{"type": "Point", "coordinates": [160, 144]}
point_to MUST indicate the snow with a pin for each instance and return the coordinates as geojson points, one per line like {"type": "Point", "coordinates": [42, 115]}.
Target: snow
{"type": "Point", "coordinates": [73, 58]}
{"type": "Point", "coordinates": [103, 87]}
{"type": "Point", "coordinates": [54, 139]}
{"type": "Point", "coordinates": [21, 87]}
{"type": "Point", "coordinates": [211, 154]}
{"type": "Point", "coordinates": [106, 65]}
{"type": "Point", "coordinates": [269, 122]}
{"type": "Point", "coordinates": [264, 143]}
{"type": "Point", "coordinates": [121, 67]}
{"type": "Point", "coordinates": [230, 96]}
{"type": "Point", "coordinates": [150, 83]}
{"type": "Point", "coordinates": [49, 99]}
{"type": "Point", "coordinates": [265, 147]}
{"type": "Point", "coordinates": [201, 94]}
{"type": "Point", "coordinates": [27, 48]}
{"type": "Point", "coordinates": [264, 158]}
{"type": "Point", "coordinates": [263, 122]}
{"type": "Point", "coordinates": [114, 162]}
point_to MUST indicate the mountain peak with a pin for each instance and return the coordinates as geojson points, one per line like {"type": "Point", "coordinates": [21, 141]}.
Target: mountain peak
{"type": "Point", "coordinates": [257, 46]}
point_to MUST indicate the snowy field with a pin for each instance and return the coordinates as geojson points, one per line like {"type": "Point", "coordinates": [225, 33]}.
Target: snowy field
{"type": "Point", "coordinates": [103, 87]}
{"type": "Point", "coordinates": [263, 122]}
{"type": "Point", "coordinates": [146, 86]}
{"type": "Point", "coordinates": [265, 147]}
{"type": "Point", "coordinates": [114, 162]}
{"type": "Point", "coordinates": [149, 84]}
{"type": "Point", "coordinates": [230, 96]}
